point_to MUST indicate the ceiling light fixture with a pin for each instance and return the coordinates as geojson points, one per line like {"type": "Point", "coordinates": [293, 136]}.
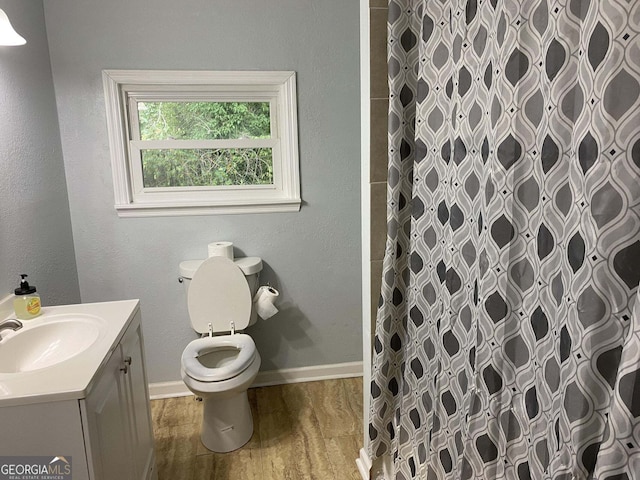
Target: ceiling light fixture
{"type": "Point", "coordinates": [8, 36]}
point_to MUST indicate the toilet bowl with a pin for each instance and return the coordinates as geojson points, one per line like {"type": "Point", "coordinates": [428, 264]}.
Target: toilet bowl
{"type": "Point", "coordinates": [220, 368]}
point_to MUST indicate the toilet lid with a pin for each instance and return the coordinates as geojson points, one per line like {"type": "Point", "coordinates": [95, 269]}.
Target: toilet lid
{"type": "Point", "coordinates": [219, 294]}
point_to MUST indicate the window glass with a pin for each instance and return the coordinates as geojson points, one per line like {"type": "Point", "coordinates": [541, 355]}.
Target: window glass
{"type": "Point", "coordinates": [207, 167]}
{"type": "Point", "coordinates": [203, 120]}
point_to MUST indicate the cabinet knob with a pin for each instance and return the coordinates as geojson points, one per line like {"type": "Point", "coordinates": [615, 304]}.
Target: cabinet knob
{"type": "Point", "coordinates": [124, 369]}
{"type": "Point", "coordinates": [127, 360]}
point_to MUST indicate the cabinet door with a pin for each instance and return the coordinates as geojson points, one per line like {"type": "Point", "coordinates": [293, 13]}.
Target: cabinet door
{"type": "Point", "coordinates": [108, 424]}
{"type": "Point", "coordinates": [138, 399]}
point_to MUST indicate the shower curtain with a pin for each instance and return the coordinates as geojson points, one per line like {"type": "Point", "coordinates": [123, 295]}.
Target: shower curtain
{"type": "Point", "coordinates": [506, 345]}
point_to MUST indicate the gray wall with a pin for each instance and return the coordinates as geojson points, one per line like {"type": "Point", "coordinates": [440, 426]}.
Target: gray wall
{"type": "Point", "coordinates": [35, 228]}
{"type": "Point", "coordinates": [312, 257]}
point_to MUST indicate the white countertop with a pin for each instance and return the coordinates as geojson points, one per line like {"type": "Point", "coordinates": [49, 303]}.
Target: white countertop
{"type": "Point", "coordinates": [72, 378]}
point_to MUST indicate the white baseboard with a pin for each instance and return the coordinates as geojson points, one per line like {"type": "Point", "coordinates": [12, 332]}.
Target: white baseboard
{"type": "Point", "coordinates": [308, 374]}
{"type": "Point", "coordinates": [275, 377]}
{"type": "Point", "coordinates": [364, 464]}
{"type": "Point", "coordinates": [380, 469]}
{"type": "Point", "coordinates": [168, 390]}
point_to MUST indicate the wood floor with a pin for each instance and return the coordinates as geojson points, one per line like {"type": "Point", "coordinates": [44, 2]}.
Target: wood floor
{"type": "Point", "coordinates": [302, 431]}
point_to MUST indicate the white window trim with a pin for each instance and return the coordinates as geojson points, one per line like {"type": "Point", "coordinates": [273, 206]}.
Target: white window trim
{"type": "Point", "coordinates": [277, 87]}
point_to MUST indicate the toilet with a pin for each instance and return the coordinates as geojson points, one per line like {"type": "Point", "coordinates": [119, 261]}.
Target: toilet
{"type": "Point", "coordinates": [220, 366]}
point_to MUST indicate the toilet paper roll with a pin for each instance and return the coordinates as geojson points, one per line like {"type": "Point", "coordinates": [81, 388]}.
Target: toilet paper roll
{"type": "Point", "coordinates": [221, 249]}
{"type": "Point", "coordinates": [264, 300]}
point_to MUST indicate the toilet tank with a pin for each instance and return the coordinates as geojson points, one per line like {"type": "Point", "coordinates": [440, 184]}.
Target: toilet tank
{"type": "Point", "coordinates": [250, 266]}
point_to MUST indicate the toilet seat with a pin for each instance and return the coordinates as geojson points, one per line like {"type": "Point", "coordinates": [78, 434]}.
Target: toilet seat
{"type": "Point", "coordinates": [202, 346]}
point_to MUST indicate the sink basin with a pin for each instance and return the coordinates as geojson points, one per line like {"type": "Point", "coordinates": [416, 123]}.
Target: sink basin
{"type": "Point", "coordinates": [53, 340]}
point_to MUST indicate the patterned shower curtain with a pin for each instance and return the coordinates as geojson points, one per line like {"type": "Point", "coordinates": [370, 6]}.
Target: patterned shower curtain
{"type": "Point", "coordinates": [506, 343]}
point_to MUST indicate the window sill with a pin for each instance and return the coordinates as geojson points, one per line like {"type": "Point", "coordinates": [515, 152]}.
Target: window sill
{"type": "Point", "coordinates": [178, 209]}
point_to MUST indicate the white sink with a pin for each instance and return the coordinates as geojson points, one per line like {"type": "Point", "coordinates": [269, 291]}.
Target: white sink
{"type": "Point", "coordinates": [48, 343]}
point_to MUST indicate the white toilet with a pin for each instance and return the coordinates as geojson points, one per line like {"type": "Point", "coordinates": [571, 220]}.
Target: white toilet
{"type": "Point", "coordinates": [221, 366]}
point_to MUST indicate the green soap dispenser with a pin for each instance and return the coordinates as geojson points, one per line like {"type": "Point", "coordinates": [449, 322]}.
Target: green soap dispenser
{"type": "Point", "coordinates": [27, 301]}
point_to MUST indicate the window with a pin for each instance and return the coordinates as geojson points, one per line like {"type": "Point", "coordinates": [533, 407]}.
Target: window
{"type": "Point", "coordinates": [193, 143]}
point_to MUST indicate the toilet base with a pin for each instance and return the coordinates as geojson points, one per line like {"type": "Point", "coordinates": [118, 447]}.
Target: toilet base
{"type": "Point", "coordinates": [227, 423]}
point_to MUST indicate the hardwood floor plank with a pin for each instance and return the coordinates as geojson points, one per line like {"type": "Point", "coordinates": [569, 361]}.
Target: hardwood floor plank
{"type": "Point", "coordinates": [273, 420]}
{"type": "Point", "coordinates": [353, 388]}
{"type": "Point", "coordinates": [333, 408]}
{"type": "Point", "coordinates": [270, 399]}
{"type": "Point", "coordinates": [175, 451]}
{"type": "Point", "coordinates": [342, 452]}
{"type": "Point", "coordinates": [170, 412]}
{"type": "Point", "coordinates": [241, 464]}
{"type": "Point", "coordinates": [292, 443]}
{"type": "Point", "coordinates": [304, 431]}
{"type": "Point", "coordinates": [301, 406]}
{"type": "Point", "coordinates": [301, 455]}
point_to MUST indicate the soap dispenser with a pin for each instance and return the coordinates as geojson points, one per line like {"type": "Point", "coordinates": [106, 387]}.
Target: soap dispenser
{"type": "Point", "coordinates": [27, 301]}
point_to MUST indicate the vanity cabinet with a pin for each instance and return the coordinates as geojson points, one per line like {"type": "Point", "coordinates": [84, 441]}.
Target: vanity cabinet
{"type": "Point", "coordinates": [105, 427]}
{"type": "Point", "coordinates": [120, 439]}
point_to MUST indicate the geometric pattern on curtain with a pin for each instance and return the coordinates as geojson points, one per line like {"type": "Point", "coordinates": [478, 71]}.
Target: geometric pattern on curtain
{"type": "Point", "coordinates": [506, 343]}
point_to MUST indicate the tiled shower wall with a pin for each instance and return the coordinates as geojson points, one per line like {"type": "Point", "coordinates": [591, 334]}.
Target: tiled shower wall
{"type": "Point", "coordinates": [378, 155]}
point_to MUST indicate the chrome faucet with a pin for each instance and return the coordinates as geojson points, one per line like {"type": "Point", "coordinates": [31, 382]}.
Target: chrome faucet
{"type": "Point", "coordinates": [10, 324]}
